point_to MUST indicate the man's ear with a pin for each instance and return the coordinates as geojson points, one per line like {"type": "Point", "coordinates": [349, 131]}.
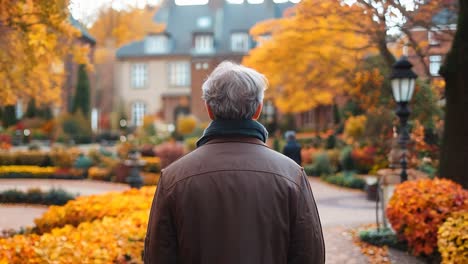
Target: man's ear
{"type": "Point", "coordinates": [210, 113]}
{"type": "Point", "coordinates": [258, 112]}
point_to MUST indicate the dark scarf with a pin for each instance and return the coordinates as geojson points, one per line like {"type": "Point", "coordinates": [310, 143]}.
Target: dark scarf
{"type": "Point", "coordinates": [232, 128]}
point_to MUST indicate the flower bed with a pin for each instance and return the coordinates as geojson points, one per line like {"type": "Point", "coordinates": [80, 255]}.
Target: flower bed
{"type": "Point", "coordinates": [418, 208]}
{"type": "Point", "coordinates": [452, 239]}
{"type": "Point", "coordinates": [89, 208]}
{"type": "Point", "coordinates": [21, 171]}
{"type": "Point", "coordinates": [26, 172]}
{"type": "Point", "coordinates": [36, 196]}
{"type": "Point", "coordinates": [107, 228]}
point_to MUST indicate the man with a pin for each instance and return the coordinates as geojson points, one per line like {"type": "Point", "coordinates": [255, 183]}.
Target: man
{"type": "Point", "coordinates": [233, 200]}
{"type": "Point", "coordinates": [292, 149]}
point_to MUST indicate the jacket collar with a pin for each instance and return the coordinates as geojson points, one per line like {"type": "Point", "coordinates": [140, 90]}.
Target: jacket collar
{"type": "Point", "coordinates": [249, 140]}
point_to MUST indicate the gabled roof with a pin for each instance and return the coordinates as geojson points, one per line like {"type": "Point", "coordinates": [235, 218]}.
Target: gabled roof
{"type": "Point", "coordinates": [221, 19]}
{"type": "Point", "coordinates": [445, 17]}
{"type": "Point", "coordinates": [84, 32]}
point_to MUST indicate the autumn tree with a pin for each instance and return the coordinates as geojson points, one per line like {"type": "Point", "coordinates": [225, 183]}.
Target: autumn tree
{"type": "Point", "coordinates": [112, 29]}
{"type": "Point", "coordinates": [81, 101]}
{"type": "Point", "coordinates": [454, 155]}
{"type": "Point", "coordinates": [35, 36]}
{"type": "Point", "coordinates": [313, 51]}
{"type": "Point", "coordinates": [305, 63]}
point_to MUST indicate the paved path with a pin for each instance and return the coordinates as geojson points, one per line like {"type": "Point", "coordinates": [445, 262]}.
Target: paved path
{"type": "Point", "coordinates": [16, 216]}
{"type": "Point", "coordinates": [340, 210]}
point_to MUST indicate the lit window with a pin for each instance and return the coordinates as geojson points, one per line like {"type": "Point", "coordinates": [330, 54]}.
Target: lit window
{"type": "Point", "coordinates": [19, 109]}
{"type": "Point", "coordinates": [204, 22]}
{"type": "Point", "coordinates": [138, 113]}
{"type": "Point", "coordinates": [179, 73]}
{"type": "Point", "coordinates": [139, 75]}
{"type": "Point", "coordinates": [432, 38]}
{"type": "Point", "coordinates": [262, 39]}
{"type": "Point", "coordinates": [240, 42]}
{"type": "Point", "coordinates": [156, 44]}
{"type": "Point", "coordinates": [204, 43]}
{"type": "Point", "coordinates": [435, 62]}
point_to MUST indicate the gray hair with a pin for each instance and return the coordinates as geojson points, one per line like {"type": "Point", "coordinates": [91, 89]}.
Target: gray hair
{"type": "Point", "coordinates": [234, 91]}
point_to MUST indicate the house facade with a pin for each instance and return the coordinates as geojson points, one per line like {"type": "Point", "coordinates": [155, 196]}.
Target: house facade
{"type": "Point", "coordinates": [439, 41]}
{"type": "Point", "coordinates": [163, 73]}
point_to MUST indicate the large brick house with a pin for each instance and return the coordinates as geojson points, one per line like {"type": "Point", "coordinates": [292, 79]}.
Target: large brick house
{"type": "Point", "coordinates": [439, 41]}
{"type": "Point", "coordinates": [163, 73]}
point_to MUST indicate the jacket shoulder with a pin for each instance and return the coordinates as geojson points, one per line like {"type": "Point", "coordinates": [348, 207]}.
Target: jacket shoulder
{"type": "Point", "coordinates": [232, 156]}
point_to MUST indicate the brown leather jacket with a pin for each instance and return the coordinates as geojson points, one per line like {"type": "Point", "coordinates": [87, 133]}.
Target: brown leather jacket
{"type": "Point", "coordinates": [234, 201]}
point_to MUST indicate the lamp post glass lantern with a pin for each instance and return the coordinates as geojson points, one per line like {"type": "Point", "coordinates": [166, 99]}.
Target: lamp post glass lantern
{"type": "Point", "coordinates": [403, 82]}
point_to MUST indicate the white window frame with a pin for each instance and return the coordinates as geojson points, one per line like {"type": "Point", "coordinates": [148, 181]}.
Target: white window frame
{"type": "Point", "coordinates": [240, 42]}
{"type": "Point", "coordinates": [179, 73]}
{"type": "Point", "coordinates": [435, 61]}
{"type": "Point", "coordinates": [138, 113]}
{"type": "Point", "coordinates": [204, 43]}
{"type": "Point", "coordinates": [431, 38]}
{"type": "Point", "coordinates": [156, 44]}
{"type": "Point", "coordinates": [139, 75]}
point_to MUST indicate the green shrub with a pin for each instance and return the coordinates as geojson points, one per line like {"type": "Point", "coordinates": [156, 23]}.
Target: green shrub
{"type": "Point", "coordinates": [83, 162]}
{"type": "Point", "coordinates": [36, 196]}
{"type": "Point", "coordinates": [310, 170]}
{"type": "Point", "coordinates": [346, 159]}
{"type": "Point", "coordinates": [57, 197]}
{"type": "Point", "coordinates": [429, 169]}
{"type": "Point", "coordinates": [322, 164]}
{"type": "Point", "coordinates": [346, 181]}
{"type": "Point", "coordinates": [331, 142]}
{"type": "Point", "coordinates": [383, 237]}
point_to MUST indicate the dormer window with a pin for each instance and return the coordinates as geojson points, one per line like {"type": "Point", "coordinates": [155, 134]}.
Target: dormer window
{"type": "Point", "coordinates": [204, 43]}
{"type": "Point", "coordinates": [240, 42]}
{"type": "Point", "coordinates": [156, 44]}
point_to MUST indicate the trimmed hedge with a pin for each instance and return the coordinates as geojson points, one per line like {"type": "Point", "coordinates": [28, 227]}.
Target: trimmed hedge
{"type": "Point", "coordinates": [383, 237]}
{"type": "Point", "coordinates": [36, 196]}
{"type": "Point", "coordinates": [346, 181]}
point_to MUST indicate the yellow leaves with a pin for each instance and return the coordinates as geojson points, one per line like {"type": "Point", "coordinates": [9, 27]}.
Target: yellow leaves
{"type": "Point", "coordinates": [110, 228]}
{"type": "Point", "coordinates": [35, 34]}
{"type": "Point", "coordinates": [453, 238]}
{"type": "Point", "coordinates": [309, 55]}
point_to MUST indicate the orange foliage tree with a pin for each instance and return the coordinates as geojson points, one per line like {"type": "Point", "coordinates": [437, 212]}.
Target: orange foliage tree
{"type": "Point", "coordinates": [113, 29]}
{"type": "Point", "coordinates": [314, 49]}
{"type": "Point", "coordinates": [35, 37]}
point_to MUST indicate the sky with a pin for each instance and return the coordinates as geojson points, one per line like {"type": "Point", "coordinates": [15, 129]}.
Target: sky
{"type": "Point", "coordinates": [87, 10]}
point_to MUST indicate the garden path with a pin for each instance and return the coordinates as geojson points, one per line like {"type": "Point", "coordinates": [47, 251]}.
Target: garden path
{"type": "Point", "coordinates": [340, 210]}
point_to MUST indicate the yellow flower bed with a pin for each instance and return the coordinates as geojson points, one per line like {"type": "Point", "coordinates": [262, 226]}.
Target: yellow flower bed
{"type": "Point", "coordinates": [115, 236]}
{"type": "Point", "coordinates": [26, 169]}
{"type": "Point", "coordinates": [89, 208]}
{"type": "Point", "coordinates": [108, 240]}
{"type": "Point", "coordinates": [97, 173]}
{"type": "Point", "coordinates": [452, 238]}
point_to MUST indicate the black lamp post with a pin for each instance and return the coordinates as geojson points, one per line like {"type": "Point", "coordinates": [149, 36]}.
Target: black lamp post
{"type": "Point", "coordinates": [403, 80]}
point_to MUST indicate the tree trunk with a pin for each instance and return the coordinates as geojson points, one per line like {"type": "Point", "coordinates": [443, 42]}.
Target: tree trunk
{"type": "Point", "coordinates": [454, 152]}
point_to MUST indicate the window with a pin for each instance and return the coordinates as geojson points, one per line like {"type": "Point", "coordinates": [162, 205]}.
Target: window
{"type": "Point", "coordinates": [262, 39]}
{"type": "Point", "coordinates": [204, 22]}
{"type": "Point", "coordinates": [138, 113]}
{"type": "Point", "coordinates": [139, 75]}
{"type": "Point", "coordinates": [240, 42]}
{"type": "Point", "coordinates": [156, 44]}
{"type": "Point", "coordinates": [432, 38]}
{"type": "Point", "coordinates": [179, 73]}
{"type": "Point", "coordinates": [19, 109]}
{"type": "Point", "coordinates": [434, 64]}
{"type": "Point", "coordinates": [204, 43]}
